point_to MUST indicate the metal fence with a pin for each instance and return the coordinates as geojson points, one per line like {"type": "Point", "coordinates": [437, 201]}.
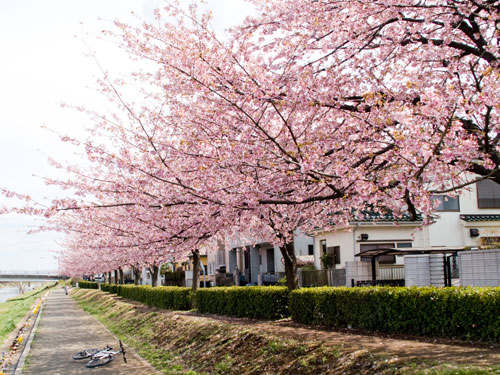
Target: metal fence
{"type": "Point", "coordinates": [392, 272]}
{"type": "Point", "coordinates": [271, 278]}
{"type": "Point", "coordinates": [329, 277]}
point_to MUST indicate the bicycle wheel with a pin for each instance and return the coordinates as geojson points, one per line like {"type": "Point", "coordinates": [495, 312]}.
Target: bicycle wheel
{"type": "Point", "coordinates": [100, 361]}
{"type": "Point", "coordinates": [85, 354]}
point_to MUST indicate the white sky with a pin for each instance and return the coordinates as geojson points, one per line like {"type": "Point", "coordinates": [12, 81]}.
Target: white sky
{"type": "Point", "coordinates": [42, 65]}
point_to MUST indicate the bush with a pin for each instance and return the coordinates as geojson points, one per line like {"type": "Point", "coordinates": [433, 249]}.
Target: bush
{"type": "Point", "coordinates": [251, 302]}
{"type": "Point", "coordinates": [468, 313]}
{"type": "Point", "coordinates": [88, 285]}
{"type": "Point", "coordinates": [110, 288]}
{"type": "Point", "coordinates": [174, 276]}
{"type": "Point", "coordinates": [171, 298]}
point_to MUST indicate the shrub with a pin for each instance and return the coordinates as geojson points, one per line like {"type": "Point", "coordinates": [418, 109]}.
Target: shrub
{"type": "Point", "coordinates": [250, 302]}
{"type": "Point", "coordinates": [469, 313]}
{"type": "Point", "coordinates": [88, 285]}
{"type": "Point", "coordinates": [171, 298]}
{"type": "Point", "coordinates": [110, 288]}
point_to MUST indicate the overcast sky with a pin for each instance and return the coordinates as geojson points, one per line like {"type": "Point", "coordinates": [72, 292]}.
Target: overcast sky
{"type": "Point", "coordinates": [43, 64]}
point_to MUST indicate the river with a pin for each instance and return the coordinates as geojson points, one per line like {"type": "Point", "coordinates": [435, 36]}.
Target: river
{"type": "Point", "coordinates": [9, 292]}
{"type": "Point", "coordinates": [6, 293]}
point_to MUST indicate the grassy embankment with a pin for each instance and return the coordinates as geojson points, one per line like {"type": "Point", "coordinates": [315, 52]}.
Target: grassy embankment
{"type": "Point", "coordinates": [13, 310]}
{"type": "Point", "coordinates": [177, 343]}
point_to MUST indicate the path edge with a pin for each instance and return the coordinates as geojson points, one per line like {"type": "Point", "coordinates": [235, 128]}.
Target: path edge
{"type": "Point", "coordinates": [27, 347]}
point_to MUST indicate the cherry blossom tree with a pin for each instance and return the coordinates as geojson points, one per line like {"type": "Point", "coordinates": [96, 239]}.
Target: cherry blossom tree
{"type": "Point", "coordinates": [313, 111]}
{"type": "Point", "coordinates": [308, 113]}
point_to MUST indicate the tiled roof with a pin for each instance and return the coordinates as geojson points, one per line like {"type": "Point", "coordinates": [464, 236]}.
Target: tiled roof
{"type": "Point", "coordinates": [375, 216]}
{"type": "Point", "coordinates": [372, 216]}
{"type": "Point", "coordinates": [474, 218]}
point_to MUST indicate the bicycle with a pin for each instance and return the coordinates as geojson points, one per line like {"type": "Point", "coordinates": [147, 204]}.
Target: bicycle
{"type": "Point", "coordinates": [100, 357]}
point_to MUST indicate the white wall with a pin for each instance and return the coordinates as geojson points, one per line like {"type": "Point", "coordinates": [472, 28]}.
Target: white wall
{"type": "Point", "coordinates": [301, 243]}
{"type": "Point", "coordinates": [450, 230]}
{"type": "Point", "coordinates": [349, 239]}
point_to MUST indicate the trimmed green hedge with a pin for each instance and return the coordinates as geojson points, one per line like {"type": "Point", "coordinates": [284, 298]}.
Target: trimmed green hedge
{"type": "Point", "coordinates": [469, 313]}
{"type": "Point", "coordinates": [88, 285]}
{"type": "Point", "coordinates": [110, 288]}
{"type": "Point", "coordinates": [163, 297]}
{"type": "Point", "coordinates": [259, 302]}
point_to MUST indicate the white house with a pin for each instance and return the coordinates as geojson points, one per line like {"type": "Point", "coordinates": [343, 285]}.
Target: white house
{"type": "Point", "coordinates": [470, 220]}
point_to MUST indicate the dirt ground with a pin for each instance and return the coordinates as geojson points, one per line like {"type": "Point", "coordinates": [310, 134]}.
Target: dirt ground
{"type": "Point", "coordinates": [404, 347]}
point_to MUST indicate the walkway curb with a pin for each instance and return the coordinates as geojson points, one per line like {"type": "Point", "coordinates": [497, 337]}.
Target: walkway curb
{"type": "Point", "coordinates": [27, 347]}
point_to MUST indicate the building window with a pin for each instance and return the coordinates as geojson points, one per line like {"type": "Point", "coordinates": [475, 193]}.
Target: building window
{"type": "Point", "coordinates": [446, 203]}
{"type": "Point", "coordinates": [404, 245]}
{"type": "Point", "coordinates": [335, 252]}
{"type": "Point", "coordinates": [310, 249]}
{"type": "Point", "coordinates": [322, 246]}
{"type": "Point", "coordinates": [382, 259]}
{"type": "Point", "coordinates": [488, 194]}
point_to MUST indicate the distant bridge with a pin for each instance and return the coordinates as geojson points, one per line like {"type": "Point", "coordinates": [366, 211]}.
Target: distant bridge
{"type": "Point", "coordinates": [27, 276]}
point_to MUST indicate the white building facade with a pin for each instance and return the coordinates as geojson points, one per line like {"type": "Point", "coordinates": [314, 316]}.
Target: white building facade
{"type": "Point", "coordinates": [469, 220]}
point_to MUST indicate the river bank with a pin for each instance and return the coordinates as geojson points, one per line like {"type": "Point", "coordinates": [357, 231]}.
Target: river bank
{"type": "Point", "coordinates": [183, 342]}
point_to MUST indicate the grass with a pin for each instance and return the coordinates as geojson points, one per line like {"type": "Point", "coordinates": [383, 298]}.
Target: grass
{"type": "Point", "coordinates": [13, 310]}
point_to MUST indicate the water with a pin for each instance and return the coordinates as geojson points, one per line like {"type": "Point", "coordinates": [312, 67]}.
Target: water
{"type": "Point", "coordinates": [6, 293]}
{"type": "Point", "coordinates": [9, 292]}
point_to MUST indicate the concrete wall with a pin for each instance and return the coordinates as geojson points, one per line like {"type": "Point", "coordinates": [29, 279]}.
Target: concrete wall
{"type": "Point", "coordinates": [423, 270]}
{"type": "Point", "coordinates": [479, 268]}
{"type": "Point", "coordinates": [357, 271]}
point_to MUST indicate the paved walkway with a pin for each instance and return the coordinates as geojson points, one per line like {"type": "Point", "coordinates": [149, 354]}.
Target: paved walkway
{"type": "Point", "coordinates": [65, 329]}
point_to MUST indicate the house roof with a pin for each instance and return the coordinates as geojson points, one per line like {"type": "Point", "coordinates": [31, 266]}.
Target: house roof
{"type": "Point", "coordinates": [475, 218]}
{"type": "Point", "coordinates": [388, 216]}
{"type": "Point", "coordinates": [374, 253]}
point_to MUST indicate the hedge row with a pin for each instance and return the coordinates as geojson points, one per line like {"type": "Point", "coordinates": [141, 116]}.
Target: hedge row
{"type": "Point", "coordinates": [88, 285]}
{"type": "Point", "coordinates": [264, 302]}
{"type": "Point", "coordinates": [163, 297]}
{"type": "Point", "coordinates": [468, 313]}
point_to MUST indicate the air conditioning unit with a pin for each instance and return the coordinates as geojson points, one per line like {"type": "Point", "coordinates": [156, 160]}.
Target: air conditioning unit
{"type": "Point", "coordinates": [363, 237]}
{"type": "Point", "coordinates": [474, 232]}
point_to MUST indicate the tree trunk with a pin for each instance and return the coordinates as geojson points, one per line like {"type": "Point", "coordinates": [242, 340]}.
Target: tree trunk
{"type": "Point", "coordinates": [122, 278]}
{"type": "Point", "coordinates": [196, 270]}
{"type": "Point", "coordinates": [288, 252]}
{"type": "Point", "coordinates": [137, 273]}
{"type": "Point", "coordinates": [109, 277]}
{"type": "Point", "coordinates": [154, 275]}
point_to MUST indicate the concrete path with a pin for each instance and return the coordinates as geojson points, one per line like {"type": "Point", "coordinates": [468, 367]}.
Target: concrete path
{"type": "Point", "coordinates": [65, 329]}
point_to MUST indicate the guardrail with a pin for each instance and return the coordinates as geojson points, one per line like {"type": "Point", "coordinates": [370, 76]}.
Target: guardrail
{"type": "Point", "coordinates": [30, 273]}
